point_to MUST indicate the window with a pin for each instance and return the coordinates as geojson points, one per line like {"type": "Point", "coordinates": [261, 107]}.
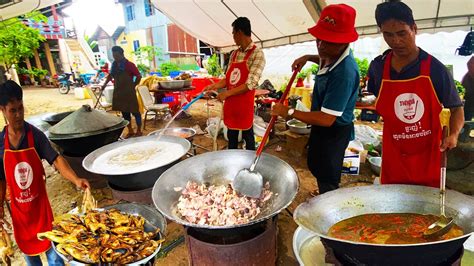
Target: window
{"type": "Point", "coordinates": [149, 9]}
{"type": "Point", "coordinates": [136, 45]}
{"type": "Point", "coordinates": [130, 13]}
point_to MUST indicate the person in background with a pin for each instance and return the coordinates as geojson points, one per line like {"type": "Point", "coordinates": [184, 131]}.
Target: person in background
{"type": "Point", "coordinates": [242, 76]}
{"type": "Point", "coordinates": [334, 95]}
{"type": "Point", "coordinates": [412, 87]}
{"type": "Point", "coordinates": [22, 148]}
{"type": "Point", "coordinates": [468, 84]}
{"type": "Point", "coordinates": [126, 77]}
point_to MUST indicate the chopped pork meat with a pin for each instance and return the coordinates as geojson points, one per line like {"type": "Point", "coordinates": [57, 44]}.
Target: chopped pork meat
{"type": "Point", "coordinates": [219, 205]}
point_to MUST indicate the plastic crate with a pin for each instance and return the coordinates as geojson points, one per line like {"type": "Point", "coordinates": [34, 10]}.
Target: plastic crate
{"type": "Point", "coordinates": [168, 99]}
{"type": "Point", "coordinates": [174, 74]}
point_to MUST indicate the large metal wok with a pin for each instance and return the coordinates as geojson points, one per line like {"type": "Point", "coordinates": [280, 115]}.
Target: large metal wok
{"type": "Point", "coordinates": [84, 143]}
{"type": "Point", "coordinates": [321, 212]}
{"type": "Point", "coordinates": [219, 168]}
{"type": "Point", "coordinates": [134, 180]}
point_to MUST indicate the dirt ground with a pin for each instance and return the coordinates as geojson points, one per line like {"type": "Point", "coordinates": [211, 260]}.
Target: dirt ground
{"type": "Point", "coordinates": [64, 196]}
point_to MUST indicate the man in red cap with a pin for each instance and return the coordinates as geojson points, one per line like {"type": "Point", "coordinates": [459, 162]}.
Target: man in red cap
{"type": "Point", "coordinates": [334, 95]}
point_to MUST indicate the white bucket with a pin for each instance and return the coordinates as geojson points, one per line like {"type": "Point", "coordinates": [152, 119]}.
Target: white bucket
{"type": "Point", "coordinates": [79, 93]}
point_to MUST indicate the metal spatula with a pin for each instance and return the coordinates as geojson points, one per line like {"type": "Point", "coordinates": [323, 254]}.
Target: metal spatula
{"type": "Point", "coordinates": [444, 224]}
{"type": "Point", "coordinates": [248, 181]}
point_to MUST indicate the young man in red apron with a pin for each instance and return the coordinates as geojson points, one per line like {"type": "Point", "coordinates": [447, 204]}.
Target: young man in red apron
{"type": "Point", "coordinates": [412, 88]}
{"type": "Point", "coordinates": [22, 148]}
{"type": "Point", "coordinates": [245, 68]}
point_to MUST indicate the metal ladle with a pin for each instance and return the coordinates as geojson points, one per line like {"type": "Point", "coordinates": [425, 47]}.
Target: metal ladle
{"type": "Point", "coordinates": [248, 181]}
{"type": "Point", "coordinates": [444, 224]}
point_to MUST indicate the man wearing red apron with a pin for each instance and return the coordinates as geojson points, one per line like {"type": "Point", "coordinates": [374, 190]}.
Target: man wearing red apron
{"type": "Point", "coordinates": [245, 68]}
{"type": "Point", "coordinates": [23, 148]}
{"type": "Point", "coordinates": [412, 88]}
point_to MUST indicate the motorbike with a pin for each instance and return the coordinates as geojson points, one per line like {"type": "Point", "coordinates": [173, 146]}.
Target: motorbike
{"type": "Point", "coordinates": [65, 82]}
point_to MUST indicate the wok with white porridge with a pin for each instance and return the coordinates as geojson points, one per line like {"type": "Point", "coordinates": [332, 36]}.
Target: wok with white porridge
{"type": "Point", "coordinates": [136, 163]}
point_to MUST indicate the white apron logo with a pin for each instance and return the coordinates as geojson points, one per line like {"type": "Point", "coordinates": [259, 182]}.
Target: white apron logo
{"type": "Point", "coordinates": [23, 175]}
{"type": "Point", "coordinates": [409, 108]}
{"type": "Point", "coordinates": [234, 76]}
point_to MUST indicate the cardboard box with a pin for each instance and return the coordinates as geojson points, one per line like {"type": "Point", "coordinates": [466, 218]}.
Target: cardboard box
{"type": "Point", "coordinates": [351, 164]}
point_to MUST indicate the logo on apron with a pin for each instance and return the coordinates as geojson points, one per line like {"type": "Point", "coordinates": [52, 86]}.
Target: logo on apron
{"type": "Point", "coordinates": [409, 108]}
{"type": "Point", "coordinates": [234, 76]}
{"type": "Point", "coordinates": [23, 175]}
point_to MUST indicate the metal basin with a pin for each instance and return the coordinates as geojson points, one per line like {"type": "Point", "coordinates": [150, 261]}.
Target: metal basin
{"type": "Point", "coordinates": [219, 168]}
{"type": "Point", "coordinates": [298, 127]}
{"type": "Point", "coordinates": [134, 180]}
{"type": "Point", "coordinates": [84, 143]}
{"type": "Point", "coordinates": [153, 220]}
{"type": "Point", "coordinates": [182, 132]}
{"type": "Point", "coordinates": [321, 212]}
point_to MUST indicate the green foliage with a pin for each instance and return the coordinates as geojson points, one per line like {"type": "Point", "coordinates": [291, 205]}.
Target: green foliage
{"type": "Point", "coordinates": [92, 44]}
{"type": "Point", "coordinates": [23, 71]}
{"type": "Point", "coordinates": [213, 67]}
{"type": "Point", "coordinates": [38, 73]}
{"type": "Point", "coordinates": [363, 66]}
{"type": "Point", "coordinates": [188, 67]}
{"type": "Point", "coordinates": [143, 69]}
{"type": "Point", "coordinates": [167, 67]}
{"type": "Point", "coordinates": [18, 41]}
{"type": "Point", "coordinates": [314, 69]}
{"type": "Point", "coordinates": [302, 74]}
{"type": "Point", "coordinates": [460, 88]}
{"type": "Point", "coordinates": [146, 54]}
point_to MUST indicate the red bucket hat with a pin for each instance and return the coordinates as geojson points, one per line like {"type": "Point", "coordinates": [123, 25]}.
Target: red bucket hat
{"type": "Point", "coordinates": [336, 24]}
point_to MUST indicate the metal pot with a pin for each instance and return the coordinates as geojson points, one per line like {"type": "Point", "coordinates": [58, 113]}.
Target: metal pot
{"type": "Point", "coordinates": [298, 127]}
{"type": "Point", "coordinates": [182, 132]}
{"type": "Point", "coordinates": [134, 180]}
{"type": "Point", "coordinates": [321, 212]}
{"type": "Point", "coordinates": [219, 168]}
{"type": "Point", "coordinates": [84, 143]}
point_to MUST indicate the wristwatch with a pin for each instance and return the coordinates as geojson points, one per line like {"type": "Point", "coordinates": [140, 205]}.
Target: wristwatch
{"type": "Point", "coordinates": [290, 113]}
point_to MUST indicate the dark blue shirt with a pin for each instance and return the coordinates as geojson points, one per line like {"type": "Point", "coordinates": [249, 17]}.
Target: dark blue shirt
{"type": "Point", "coordinates": [442, 80]}
{"type": "Point", "coordinates": [42, 146]}
{"type": "Point", "coordinates": [335, 89]}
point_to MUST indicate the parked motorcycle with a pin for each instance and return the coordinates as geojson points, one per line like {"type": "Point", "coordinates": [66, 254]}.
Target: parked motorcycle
{"type": "Point", "coordinates": [65, 82]}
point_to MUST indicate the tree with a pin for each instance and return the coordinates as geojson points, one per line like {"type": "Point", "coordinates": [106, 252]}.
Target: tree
{"type": "Point", "coordinates": [17, 40]}
{"type": "Point", "coordinates": [146, 54]}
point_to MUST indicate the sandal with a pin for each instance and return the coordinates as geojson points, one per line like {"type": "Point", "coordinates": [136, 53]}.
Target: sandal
{"type": "Point", "coordinates": [129, 135]}
{"type": "Point", "coordinates": [138, 134]}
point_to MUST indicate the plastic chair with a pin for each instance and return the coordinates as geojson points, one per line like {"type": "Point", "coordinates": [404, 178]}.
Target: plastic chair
{"type": "Point", "coordinates": [97, 100]}
{"type": "Point", "coordinates": [151, 108]}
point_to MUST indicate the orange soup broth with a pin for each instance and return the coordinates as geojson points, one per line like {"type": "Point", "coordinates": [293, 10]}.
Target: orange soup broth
{"type": "Point", "coordinates": [389, 228]}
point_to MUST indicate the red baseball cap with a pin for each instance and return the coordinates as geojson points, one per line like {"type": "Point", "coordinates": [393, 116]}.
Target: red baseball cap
{"type": "Point", "coordinates": [336, 24]}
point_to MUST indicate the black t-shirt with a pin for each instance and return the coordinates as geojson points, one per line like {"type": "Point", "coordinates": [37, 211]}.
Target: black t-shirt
{"type": "Point", "coordinates": [42, 146]}
{"type": "Point", "coordinates": [442, 80]}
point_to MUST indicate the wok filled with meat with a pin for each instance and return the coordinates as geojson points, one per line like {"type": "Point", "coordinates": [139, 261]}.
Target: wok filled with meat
{"type": "Point", "coordinates": [196, 192]}
{"type": "Point", "coordinates": [360, 224]}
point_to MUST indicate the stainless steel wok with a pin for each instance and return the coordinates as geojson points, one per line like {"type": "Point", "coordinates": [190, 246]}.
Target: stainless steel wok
{"type": "Point", "coordinates": [182, 132]}
{"type": "Point", "coordinates": [219, 168]}
{"type": "Point", "coordinates": [134, 179]}
{"type": "Point", "coordinates": [321, 212]}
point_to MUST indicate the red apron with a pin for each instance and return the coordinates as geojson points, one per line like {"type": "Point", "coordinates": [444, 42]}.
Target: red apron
{"type": "Point", "coordinates": [238, 109]}
{"type": "Point", "coordinates": [412, 128]}
{"type": "Point", "coordinates": [30, 209]}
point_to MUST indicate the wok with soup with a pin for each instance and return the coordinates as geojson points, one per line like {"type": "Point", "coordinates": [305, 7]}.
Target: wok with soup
{"type": "Point", "coordinates": [384, 224]}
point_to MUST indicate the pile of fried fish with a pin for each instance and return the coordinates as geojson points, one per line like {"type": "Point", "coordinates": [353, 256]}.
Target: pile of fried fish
{"type": "Point", "coordinates": [107, 236]}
